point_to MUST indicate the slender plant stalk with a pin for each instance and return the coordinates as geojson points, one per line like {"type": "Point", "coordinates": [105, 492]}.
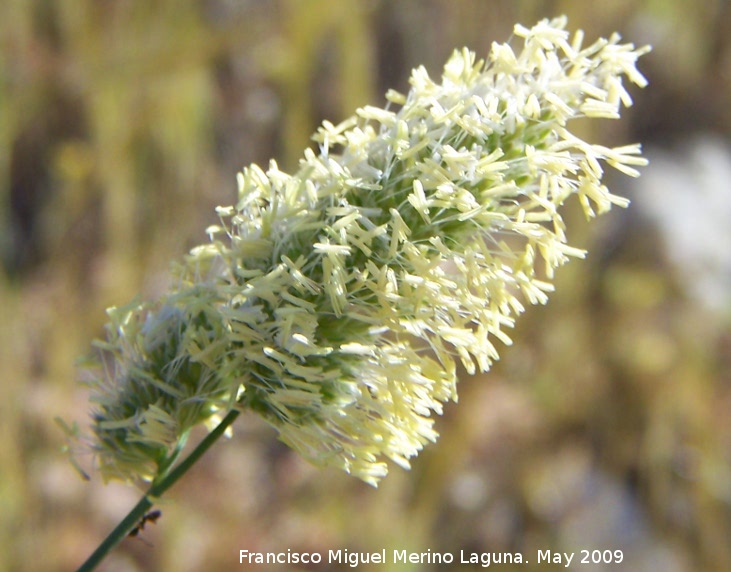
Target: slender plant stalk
{"type": "Point", "coordinates": [155, 491]}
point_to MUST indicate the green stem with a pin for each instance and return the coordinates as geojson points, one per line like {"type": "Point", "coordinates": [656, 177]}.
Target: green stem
{"type": "Point", "coordinates": [155, 491]}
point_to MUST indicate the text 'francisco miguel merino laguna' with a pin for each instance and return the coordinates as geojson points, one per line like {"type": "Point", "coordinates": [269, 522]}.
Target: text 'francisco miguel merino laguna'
{"type": "Point", "coordinates": [354, 559]}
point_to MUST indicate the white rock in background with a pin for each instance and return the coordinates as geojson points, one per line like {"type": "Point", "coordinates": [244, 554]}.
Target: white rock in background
{"type": "Point", "coordinates": [687, 194]}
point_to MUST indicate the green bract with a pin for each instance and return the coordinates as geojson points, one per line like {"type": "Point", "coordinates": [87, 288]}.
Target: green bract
{"type": "Point", "coordinates": [334, 301]}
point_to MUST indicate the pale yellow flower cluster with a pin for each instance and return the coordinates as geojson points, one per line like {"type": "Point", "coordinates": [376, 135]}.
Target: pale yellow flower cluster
{"type": "Point", "coordinates": [335, 301]}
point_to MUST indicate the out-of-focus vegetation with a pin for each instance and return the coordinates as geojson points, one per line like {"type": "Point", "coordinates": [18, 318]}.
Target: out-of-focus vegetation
{"type": "Point", "coordinates": [122, 125]}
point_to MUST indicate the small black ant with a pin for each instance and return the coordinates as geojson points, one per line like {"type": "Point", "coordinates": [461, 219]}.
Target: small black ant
{"type": "Point", "coordinates": [151, 516]}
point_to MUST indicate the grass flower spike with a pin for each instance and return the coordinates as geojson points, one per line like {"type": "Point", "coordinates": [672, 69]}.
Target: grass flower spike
{"type": "Point", "coordinates": [337, 301]}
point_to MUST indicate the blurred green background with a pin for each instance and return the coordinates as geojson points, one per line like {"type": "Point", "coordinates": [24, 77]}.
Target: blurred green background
{"type": "Point", "coordinates": [605, 426]}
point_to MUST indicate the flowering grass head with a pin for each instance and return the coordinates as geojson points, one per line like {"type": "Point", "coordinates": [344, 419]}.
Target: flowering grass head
{"type": "Point", "coordinates": [337, 301]}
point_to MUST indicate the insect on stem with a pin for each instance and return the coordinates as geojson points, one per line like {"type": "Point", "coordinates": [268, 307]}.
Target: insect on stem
{"type": "Point", "coordinates": [151, 517]}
